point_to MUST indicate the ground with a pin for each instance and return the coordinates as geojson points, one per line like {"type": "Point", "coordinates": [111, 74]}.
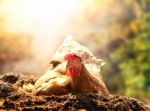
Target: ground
{"type": "Point", "coordinates": [12, 98]}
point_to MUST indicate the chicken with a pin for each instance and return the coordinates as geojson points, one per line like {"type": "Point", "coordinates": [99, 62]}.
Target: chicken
{"type": "Point", "coordinates": [73, 68]}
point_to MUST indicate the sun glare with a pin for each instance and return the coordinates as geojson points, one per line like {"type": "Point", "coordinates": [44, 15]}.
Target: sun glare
{"type": "Point", "coordinates": [35, 15]}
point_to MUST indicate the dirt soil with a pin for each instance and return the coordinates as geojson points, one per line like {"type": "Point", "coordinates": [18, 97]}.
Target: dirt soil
{"type": "Point", "coordinates": [14, 99]}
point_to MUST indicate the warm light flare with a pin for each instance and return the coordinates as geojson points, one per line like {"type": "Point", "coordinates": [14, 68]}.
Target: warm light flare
{"type": "Point", "coordinates": [35, 15]}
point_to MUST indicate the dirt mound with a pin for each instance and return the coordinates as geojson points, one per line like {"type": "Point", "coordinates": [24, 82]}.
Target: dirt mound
{"type": "Point", "coordinates": [11, 98]}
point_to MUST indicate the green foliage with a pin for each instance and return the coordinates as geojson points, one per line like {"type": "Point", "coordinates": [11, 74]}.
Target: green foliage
{"type": "Point", "coordinates": [134, 60]}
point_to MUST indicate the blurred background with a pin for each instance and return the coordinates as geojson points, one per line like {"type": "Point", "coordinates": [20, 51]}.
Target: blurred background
{"type": "Point", "coordinates": [117, 31]}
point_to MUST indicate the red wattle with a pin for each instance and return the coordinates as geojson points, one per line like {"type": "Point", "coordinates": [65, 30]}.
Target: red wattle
{"type": "Point", "coordinates": [72, 72]}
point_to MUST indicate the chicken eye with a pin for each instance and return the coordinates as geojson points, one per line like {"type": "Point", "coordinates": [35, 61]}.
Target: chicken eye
{"type": "Point", "coordinates": [54, 64]}
{"type": "Point", "coordinates": [76, 60]}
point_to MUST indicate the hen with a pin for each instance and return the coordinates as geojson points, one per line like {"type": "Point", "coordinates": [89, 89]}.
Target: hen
{"type": "Point", "coordinates": [73, 68]}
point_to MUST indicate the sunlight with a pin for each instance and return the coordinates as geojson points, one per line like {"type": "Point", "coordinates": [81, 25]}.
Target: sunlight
{"type": "Point", "coordinates": [35, 15]}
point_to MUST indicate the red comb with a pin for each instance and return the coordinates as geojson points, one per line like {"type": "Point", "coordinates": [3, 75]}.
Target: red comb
{"type": "Point", "coordinates": [70, 56]}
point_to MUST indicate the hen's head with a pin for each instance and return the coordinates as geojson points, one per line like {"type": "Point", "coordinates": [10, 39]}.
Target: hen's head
{"type": "Point", "coordinates": [74, 66]}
